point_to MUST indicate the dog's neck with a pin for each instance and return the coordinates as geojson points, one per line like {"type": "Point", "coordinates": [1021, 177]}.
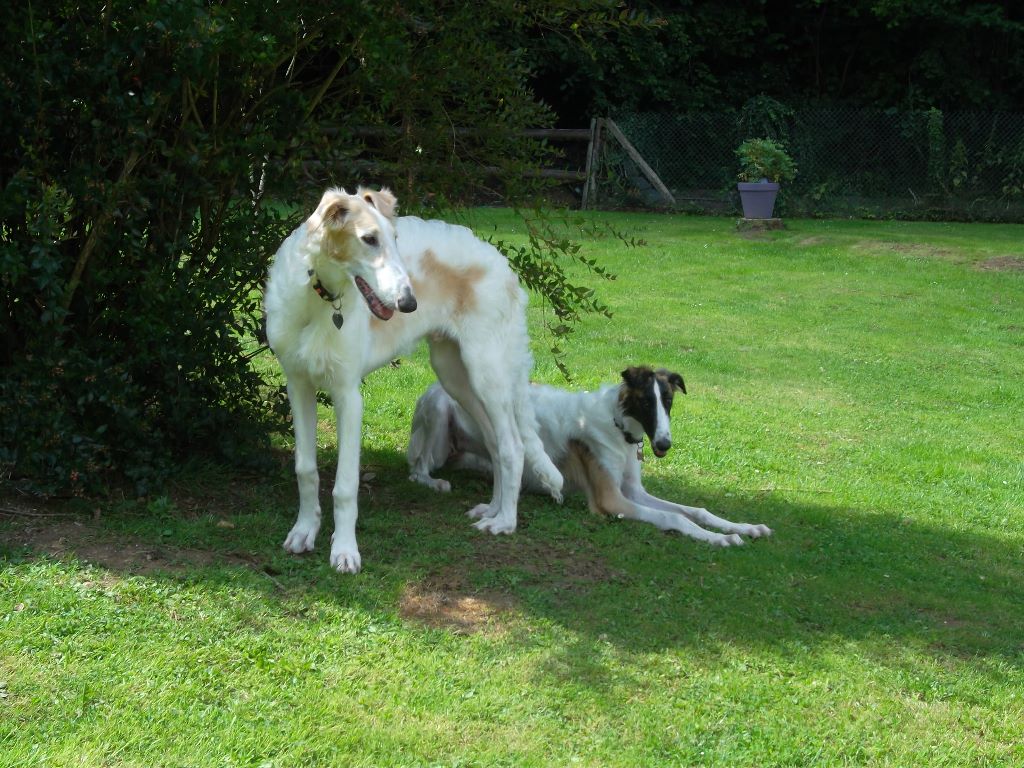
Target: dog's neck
{"type": "Point", "coordinates": [321, 290]}
{"type": "Point", "coordinates": [329, 279]}
{"type": "Point", "coordinates": [619, 418]}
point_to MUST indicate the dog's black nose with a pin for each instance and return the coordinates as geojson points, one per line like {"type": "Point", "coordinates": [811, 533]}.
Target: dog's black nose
{"type": "Point", "coordinates": [662, 446]}
{"type": "Point", "coordinates": [407, 302]}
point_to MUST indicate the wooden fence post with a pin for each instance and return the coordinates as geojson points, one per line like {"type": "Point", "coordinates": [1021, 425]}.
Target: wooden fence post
{"type": "Point", "coordinates": [635, 156]}
{"type": "Point", "coordinates": [593, 148]}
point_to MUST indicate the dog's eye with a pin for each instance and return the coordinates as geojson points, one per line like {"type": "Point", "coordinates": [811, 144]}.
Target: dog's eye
{"type": "Point", "coordinates": [370, 240]}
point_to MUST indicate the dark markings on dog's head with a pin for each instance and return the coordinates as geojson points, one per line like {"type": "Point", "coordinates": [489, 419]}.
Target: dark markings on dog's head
{"type": "Point", "coordinates": [637, 398]}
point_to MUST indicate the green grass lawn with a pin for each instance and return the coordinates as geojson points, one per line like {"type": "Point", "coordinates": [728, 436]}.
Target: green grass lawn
{"type": "Point", "coordinates": [856, 386]}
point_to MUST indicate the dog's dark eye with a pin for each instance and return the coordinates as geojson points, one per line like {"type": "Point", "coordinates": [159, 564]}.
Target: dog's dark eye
{"type": "Point", "coordinates": [370, 240]}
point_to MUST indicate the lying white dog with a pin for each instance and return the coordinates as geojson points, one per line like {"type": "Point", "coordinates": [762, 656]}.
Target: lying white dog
{"type": "Point", "coordinates": [595, 439]}
{"type": "Point", "coordinates": [330, 303]}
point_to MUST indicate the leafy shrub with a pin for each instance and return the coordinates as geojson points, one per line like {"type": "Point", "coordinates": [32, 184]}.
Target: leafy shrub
{"type": "Point", "coordinates": [139, 147]}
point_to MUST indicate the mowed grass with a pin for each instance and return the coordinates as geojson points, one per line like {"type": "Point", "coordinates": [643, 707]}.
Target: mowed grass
{"type": "Point", "coordinates": [856, 386]}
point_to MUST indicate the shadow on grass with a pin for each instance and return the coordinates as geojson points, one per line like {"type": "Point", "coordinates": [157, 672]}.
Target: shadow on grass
{"type": "Point", "coordinates": [827, 572]}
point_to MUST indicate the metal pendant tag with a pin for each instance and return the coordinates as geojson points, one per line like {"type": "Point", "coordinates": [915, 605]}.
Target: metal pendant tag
{"type": "Point", "coordinates": [338, 320]}
{"type": "Point", "coordinates": [640, 451]}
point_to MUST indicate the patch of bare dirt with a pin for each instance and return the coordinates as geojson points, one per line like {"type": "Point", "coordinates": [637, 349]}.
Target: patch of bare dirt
{"type": "Point", "coordinates": [924, 251]}
{"type": "Point", "coordinates": [915, 250]}
{"type": "Point", "coordinates": [60, 538]}
{"type": "Point", "coordinates": [444, 601]}
{"type": "Point", "coordinates": [1001, 264]}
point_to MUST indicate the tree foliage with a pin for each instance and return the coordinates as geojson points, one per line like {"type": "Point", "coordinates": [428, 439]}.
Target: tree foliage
{"type": "Point", "coordinates": [690, 56]}
{"type": "Point", "coordinates": [140, 147]}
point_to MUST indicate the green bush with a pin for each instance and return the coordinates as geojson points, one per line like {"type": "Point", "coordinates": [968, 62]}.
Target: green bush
{"type": "Point", "coordinates": [139, 145]}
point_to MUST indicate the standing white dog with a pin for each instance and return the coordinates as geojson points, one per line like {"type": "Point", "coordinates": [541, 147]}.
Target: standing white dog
{"type": "Point", "coordinates": [330, 303]}
{"type": "Point", "coordinates": [595, 438]}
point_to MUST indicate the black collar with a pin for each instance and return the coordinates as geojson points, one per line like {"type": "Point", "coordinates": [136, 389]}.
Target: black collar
{"type": "Point", "coordinates": [629, 438]}
{"type": "Point", "coordinates": [330, 298]}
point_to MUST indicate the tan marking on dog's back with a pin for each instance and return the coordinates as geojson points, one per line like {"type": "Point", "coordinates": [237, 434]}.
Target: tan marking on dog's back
{"type": "Point", "coordinates": [437, 282]}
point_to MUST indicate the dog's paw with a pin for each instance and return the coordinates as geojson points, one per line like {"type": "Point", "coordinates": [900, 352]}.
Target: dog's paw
{"type": "Point", "coordinates": [436, 484]}
{"type": "Point", "coordinates": [552, 481]}
{"type": "Point", "coordinates": [302, 537]}
{"type": "Point", "coordinates": [728, 540]}
{"type": "Point", "coordinates": [480, 512]}
{"type": "Point", "coordinates": [345, 557]}
{"type": "Point", "coordinates": [496, 525]}
{"type": "Point", "coordinates": [755, 531]}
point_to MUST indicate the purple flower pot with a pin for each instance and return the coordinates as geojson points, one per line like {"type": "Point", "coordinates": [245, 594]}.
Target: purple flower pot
{"type": "Point", "coordinates": [758, 198]}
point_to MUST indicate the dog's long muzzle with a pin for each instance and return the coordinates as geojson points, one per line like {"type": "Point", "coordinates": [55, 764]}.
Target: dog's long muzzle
{"type": "Point", "coordinates": [406, 301]}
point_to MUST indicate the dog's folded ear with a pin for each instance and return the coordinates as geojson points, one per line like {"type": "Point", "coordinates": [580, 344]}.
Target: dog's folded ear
{"type": "Point", "coordinates": [332, 210]}
{"type": "Point", "coordinates": [335, 212]}
{"type": "Point", "coordinates": [381, 199]}
{"type": "Point", "coordinates": [677, 382]}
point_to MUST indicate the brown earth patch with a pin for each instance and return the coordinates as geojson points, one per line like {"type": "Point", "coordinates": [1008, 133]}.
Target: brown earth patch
{"type": "Point", "coordinates": [813, 240]}
{"type": "Point", "coordinates": [924, 251]}
{"type": "Point", "coordinates": [447, 600]}
{"type": "Point", "coordinates": [1001, 264]}
{"type": "Point", "coordinates": [444, 601]}
{"type": "Point", "coordinates": [62, 538]}
{"type": "Point", "coordinates": [914, 250]}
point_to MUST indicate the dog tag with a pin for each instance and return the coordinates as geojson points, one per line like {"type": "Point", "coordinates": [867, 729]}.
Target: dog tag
{"type": "Point", "coordinates": [338, 320]}
{"type": "Point", "coordinates": [639, 451]}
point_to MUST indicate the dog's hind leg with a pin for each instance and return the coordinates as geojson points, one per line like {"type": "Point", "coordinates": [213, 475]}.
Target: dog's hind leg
{"type": "Point", "coordinates": [430, 439]}
{"type": "Point", "coordinates": [302, 398]}
{"type": "Point", "coordinates": [494, 416]}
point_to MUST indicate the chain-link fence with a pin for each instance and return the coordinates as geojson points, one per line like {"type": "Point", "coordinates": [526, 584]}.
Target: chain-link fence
{"type": "Point", "coordinates": [923, 164]}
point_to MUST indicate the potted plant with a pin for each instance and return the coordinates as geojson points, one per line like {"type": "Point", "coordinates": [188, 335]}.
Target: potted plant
{"type": "Point", "coordinates": [763, 164]}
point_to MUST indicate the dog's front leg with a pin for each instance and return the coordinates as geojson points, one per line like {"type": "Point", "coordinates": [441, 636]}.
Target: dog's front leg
{"type": "Point", "coordinates": [302, 398]}
{"type": "Point", "coordinates": [669, 521]}
{"type": "Point", "coordinates": [348, 406]}
{"type": "Point", "coordinates": [697, 515]}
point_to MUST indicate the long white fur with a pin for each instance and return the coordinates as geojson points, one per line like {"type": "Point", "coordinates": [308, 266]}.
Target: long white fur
{"type": "Point", "coordinates": [479, 349]}
{"type": "Point", "coordinates": [443, 433]}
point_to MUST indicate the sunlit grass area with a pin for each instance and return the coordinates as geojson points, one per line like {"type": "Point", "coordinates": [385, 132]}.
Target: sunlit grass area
{"type": "Point", "coordinates": [856, 386]}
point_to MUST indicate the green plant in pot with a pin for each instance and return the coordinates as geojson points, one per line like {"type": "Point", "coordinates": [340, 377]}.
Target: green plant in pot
{"type": "Point", "coordinates": [763, 164]}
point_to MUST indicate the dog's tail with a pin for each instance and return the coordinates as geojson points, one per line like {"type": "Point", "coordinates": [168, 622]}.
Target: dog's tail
{"type": "Point", "coordinates": [537, 459]}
